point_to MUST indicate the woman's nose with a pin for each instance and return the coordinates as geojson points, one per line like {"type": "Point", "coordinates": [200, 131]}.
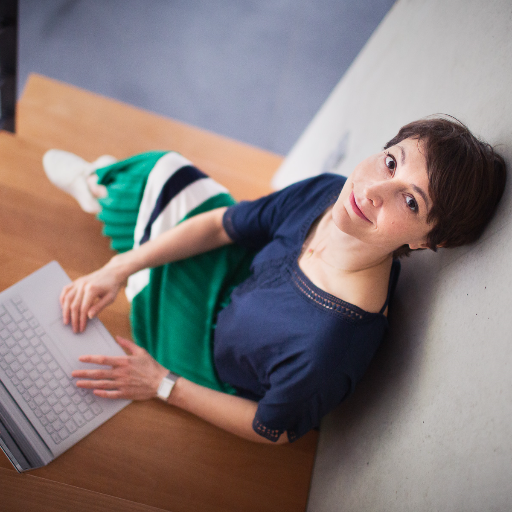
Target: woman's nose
{"type": "Point", "coordinates": [375, 192]}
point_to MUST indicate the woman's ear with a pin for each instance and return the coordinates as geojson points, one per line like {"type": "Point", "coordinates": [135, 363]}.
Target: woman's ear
{"type": "Point", "coordinates": [418, 246]}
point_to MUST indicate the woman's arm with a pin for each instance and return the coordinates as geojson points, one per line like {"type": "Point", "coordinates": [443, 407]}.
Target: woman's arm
{"type": "Point", "coordinates": [137, 377]}
{"type": "Point", "coordinates": [88, 295]}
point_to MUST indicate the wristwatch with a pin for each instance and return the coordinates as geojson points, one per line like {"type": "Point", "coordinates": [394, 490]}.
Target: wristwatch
{"type": "Point", "coordinates": [165, 387]}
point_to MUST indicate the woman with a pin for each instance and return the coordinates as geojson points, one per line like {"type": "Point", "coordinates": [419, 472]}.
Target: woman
{"type": "Point", "coordinates": [267, 312]}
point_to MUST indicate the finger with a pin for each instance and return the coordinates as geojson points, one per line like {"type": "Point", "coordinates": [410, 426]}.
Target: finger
{"type": "Point", "coordinates": [129, 346]}
{"type": "Point", "coordinates": [97, 384]}
{"type": "Point", "coordinates": [66, 297]}
{"type": "Point", "coordinates": [104, 360]}
{"type": "Point", "coordinates": [92, 374]}
{"type": "Point", "coordinates": [113, 394]}
{"type": "Point", "coordinates": [105, 301]}
{"type": "Point", "coordinates": [75, 309]}
{"type": "Point", "coordinates": [88, 299]}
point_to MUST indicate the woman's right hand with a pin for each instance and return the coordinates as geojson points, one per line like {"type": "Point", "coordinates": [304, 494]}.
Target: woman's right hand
{"type": "Point", "coordinates": [84, 298]}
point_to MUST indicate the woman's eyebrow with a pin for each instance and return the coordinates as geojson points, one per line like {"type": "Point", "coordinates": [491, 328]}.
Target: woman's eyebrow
{"type": "Point", "coordinates": [402, 151]}
{"type": "Point", "coordinates": [414, 187]}
{"type": "Point", "coordinates": [422, 194]}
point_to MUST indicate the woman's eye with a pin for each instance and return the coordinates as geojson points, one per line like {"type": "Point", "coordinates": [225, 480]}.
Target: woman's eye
{"type": "Point", "coordinates": [390, 163]}
{"type": "Point", "coordinates": [411, 203]}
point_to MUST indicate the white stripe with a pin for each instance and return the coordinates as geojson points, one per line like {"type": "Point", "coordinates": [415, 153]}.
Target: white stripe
{"type": "Point", "coordinates": [181, 205]}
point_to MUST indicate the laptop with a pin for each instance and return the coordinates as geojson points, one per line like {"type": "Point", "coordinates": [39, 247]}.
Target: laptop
{"type": "Point", "coordinates": [42, 412]}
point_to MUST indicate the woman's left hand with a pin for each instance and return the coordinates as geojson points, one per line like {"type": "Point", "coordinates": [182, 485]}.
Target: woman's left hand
{"type": "Point", "coordinates": [135, 376]}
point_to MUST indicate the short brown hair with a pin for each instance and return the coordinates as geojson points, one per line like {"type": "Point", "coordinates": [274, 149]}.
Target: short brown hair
{"type": "Point", "coordinates": [466, 180]}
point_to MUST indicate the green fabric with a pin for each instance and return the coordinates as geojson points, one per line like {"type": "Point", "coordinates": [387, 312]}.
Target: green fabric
{"type": "Point", "coordinates": [174, 316]}
{"type": "Point", "coordinates": [125, 182]}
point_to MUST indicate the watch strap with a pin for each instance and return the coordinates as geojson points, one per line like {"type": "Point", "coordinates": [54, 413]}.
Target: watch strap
{"type": "Point", "coordinates": [166, 385]}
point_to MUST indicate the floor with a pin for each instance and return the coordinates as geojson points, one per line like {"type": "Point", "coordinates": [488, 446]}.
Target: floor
{"type": "Point", "coordinates": [256, 71]}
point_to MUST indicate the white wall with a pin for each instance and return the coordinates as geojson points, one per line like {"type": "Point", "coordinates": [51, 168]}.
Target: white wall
{"type": "Point", "coordinates": [430, 426]}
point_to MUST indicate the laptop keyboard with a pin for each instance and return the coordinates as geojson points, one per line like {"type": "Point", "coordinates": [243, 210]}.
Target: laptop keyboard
{"type": "Point", "coordinates": [60, 406]}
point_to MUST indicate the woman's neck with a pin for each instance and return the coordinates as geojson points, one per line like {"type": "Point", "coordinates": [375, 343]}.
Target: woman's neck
{"type": "Point", "coordinates": [343, 253]}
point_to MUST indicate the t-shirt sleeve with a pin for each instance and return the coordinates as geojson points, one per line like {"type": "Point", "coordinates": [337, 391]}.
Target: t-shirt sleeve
{"type": "Point", "coordinates": [254, 223]}
{"type": "Point", "coordinates": [296, 407]}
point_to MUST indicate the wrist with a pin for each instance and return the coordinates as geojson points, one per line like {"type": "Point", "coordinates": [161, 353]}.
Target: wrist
{"type": "Point", "coordinates": [166, 385]}
{"type": "Point", "coordinates": [122, 266]}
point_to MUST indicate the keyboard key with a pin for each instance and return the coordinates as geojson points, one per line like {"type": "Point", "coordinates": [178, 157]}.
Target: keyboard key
{"type": "Point", "coordinates": [4, 349]}
{"type": "Point", "coordinates": [21, 388]}
{"type": "Point", "coordinates": [33, 391]}
{"type": "Point", "coordinates": [58, 408]}
{"type": "Point", "coordinates": [23, 325]}
{"type": "Point", "coordinates": [27, 315]}
{"type": "Point", "coordinates": [15, 380]}
{"type": "Point", "coordinates": [33, 323]}
{"type": "Point", "coordinates": [22, 358]}
{"type": "Point", "coordinates": [64, 416]}
{"type": "Point", "coordinates": [15, 366]}
{"type": "Point", "coordinates": [46, 357]}
{"type": "Point", "coordinates": [47, 375]}
{"type": "Point", "coordinates": [52, 400]}
{"type": "Point", "coordinates": [22, 374]}
{"type": "Point", "coordinates": [71, 408]}
{"type": "Point", "coordinates": [23, 342]}
{"type": "Point", "coordinates": [65, 400]}
{"type": "Point", "coordinates": [45, 408]}
{"type": "Point", "coordinates": [10, 342]}
{"type": "Point", "coordinates": [53, 384]}
{"type": "Point", "coordinates": [59, 392]}
{"type": "Point", "coordinates": [35, 359]}
{"type": "Point", "coordinates": [12, 327]}
{"type": "Point", "coordinates": [3, 364]}
{"type": "Point", "coordinates": [29, 334]}
{"type": "Point", "coordinates": [63, 433]}
{"type": "Point", "coordinates": [82, 407]}
{"type": "Point", "coordinates": [49, 428]}
{"type": "Point", "coordinates": [59, 374]}
{"type": "Point", "coordinates": [39, 330]}
{"type": "Point", "coordinates": [40, 349]}
{"type": "Point", "coordinates": [9, 358]}
{"type": "Point", "coordinates": [51, 417]}
{"type": "Point", "coordinates": [79, 419]}
{"type": "Point", "coordinates": [32, 404]}
{"type": "Point", "coordinates": [43, 421]}
{"type": "Point", "coordinates": [38, 413]}
{"type": "Point", "coordinates": [41, 367]}
{"type": "Point", "coordinates": [34, 374]}
{"type": "Point", "coordinates": [57, 424]}
{"type": "Point", "coordinates": [13, 311]}
{"type": "Point", "coordinates": [40, 383]}
{"type": "Point", "coordinates": [88, 415]}
{"type": "Point", "coordinates": [28, 366]}
{"type": "Point", "coordinates": [56, 438]}
{"type": "Point", "coordinates": [29, 351]}
{"type": "Point", "coordinates": [46, 391]}
{"type": "Point", "coordinates": [27, 382]}
{"type": "Point", "coordinates": [96, 408]}
{"type": "Point", "coordinates": [17, 335]}
{"type": "Point", "coordinates": [6, 319]}
{"type": "Point", "coordinates": [39, 400]}
{"type": "Point", "coordinates": [71, 426]}
{"type": "Point", "coordinates": [16, 351]}
{"type": "Point", "coordinates": [4, 333]}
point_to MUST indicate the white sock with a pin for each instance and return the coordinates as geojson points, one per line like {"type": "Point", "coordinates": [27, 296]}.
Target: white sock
{"type": "Point", "coordinates": [69, 172]}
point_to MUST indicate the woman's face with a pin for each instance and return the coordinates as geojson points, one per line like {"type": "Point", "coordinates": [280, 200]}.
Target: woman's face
{"type": "Point", "coordinates": [385, 200]}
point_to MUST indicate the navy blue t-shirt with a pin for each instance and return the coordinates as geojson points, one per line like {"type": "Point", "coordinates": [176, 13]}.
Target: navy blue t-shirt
{"type": "Point", "coordinates": [282, 341]}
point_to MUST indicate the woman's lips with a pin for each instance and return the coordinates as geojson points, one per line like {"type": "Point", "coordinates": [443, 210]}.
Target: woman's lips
{"type": "Point", "coordinates": [356, 208]}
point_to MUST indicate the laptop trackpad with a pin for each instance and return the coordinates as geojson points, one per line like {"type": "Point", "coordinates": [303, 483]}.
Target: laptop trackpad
{"type": "Point", "coordinates": [90, 342]}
